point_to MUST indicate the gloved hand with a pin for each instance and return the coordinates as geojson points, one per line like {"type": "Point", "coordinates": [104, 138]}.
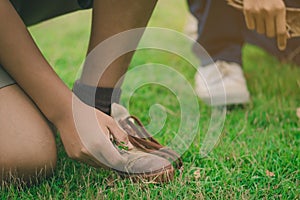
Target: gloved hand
{"type": "Point", "coordinates": [267, 17]}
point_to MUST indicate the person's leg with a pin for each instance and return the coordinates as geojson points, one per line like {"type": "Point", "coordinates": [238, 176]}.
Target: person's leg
{"type": "Point", "coordinates": [111, 17]}
{"type": "Point", "coordinates": [290, 54]}
{"type": "Point", "coordinates": [27, 144]}
{"type": "Point", "coordinates": [220, 33]}
{"type": "Point", "coordinates": [219, 29]}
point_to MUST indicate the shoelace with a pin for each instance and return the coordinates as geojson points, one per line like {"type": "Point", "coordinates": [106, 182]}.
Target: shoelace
{"type": "Point", "coordinates": [141, 139]}
{"type": "Point", "coordinates": [223, 69]}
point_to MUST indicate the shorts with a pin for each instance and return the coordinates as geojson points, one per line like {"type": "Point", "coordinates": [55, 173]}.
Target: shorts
{"type": "Point", "coordinates": [5, 78]}
{"type": "Point", "coordinates": [35, 11]}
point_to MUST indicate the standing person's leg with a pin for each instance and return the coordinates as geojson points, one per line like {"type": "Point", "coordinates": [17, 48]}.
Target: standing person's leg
{"type": "Point", "coordinates": [219, 29]}
{"type": "Point", "coordinates": [123, 16]}
{"type": "Point", "coordinates": [221, 35]}
{"type": "Point", "coordinates": [111, 17]}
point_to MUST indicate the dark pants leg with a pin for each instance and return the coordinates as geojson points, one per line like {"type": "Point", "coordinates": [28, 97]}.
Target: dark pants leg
{"type": "Point", "coordinates": [219, 29]}
{"type": "Point", "coordinates": [222, 32]}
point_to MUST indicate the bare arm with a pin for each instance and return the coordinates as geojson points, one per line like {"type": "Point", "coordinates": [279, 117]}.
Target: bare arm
{"type": "Point", "coordinates": [22, 59]}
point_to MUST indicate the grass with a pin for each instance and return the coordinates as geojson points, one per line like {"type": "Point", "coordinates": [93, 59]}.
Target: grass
{"type": "Point", "coordinates": [261, 136]}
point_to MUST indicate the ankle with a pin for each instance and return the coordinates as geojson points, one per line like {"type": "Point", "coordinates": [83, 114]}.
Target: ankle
{"type": "Point", "coordinates": [97, 97]}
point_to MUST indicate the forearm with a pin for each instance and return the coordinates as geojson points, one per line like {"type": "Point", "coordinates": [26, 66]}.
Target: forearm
{"type": "Point", "coordinates": [22, 59]}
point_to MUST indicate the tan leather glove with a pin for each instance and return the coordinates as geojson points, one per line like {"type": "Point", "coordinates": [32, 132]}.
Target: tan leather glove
{"type": "Point", "coordinates": [267, 17]}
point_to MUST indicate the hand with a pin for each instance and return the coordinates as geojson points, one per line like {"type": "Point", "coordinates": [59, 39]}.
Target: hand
{"type": "Point", "coordinates": [86, 134]}
{"type": "Point", "coordinates": [267, 17]}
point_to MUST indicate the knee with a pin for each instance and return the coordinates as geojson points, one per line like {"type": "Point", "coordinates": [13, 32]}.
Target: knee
{"type": "Point", "coordinates": [29, 159]}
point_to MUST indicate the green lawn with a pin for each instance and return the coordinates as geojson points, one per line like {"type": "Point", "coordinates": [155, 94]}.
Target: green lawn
{"type": "Point", "coordinates": [264, 135]}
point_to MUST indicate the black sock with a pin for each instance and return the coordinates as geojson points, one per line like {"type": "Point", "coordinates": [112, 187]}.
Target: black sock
{"type": "Point", "coordinates": [103, 98]}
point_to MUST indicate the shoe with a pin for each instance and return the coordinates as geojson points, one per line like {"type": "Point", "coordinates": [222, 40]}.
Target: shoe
{"type": "Point", "coordinates": [136, 165]}
{"type": "Point", "coordinates": [221, 83]}
{"type": "Point", "coordinates": [145, 167]}
{"type": "Point", "coordinates": [140, 138]}
{"type": "Point", "coordinates": [147, 160]}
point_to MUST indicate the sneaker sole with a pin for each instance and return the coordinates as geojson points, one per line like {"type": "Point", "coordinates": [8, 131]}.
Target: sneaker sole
{"type": "Point", "coordinates": [232, 99]}
{"type": "Point", "coordinates": [161, 176]}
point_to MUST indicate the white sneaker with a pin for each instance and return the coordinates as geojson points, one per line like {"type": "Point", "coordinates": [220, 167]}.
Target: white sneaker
{"type": "Point", "coordinates": [221, 83]}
